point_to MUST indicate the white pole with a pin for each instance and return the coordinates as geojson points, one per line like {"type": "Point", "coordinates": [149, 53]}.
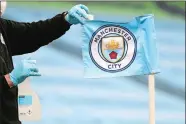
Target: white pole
{"type": "Point", "coordinates": [151, 82]}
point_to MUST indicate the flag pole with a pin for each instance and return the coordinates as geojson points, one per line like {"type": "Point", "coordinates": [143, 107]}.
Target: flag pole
{"type": "Point", "coordinates": [151, 83]}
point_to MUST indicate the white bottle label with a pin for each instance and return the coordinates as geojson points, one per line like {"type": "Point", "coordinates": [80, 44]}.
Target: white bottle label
{"type": "Point", "coordinates": [28, 102]}
{"type": "Point", "coordinates": [25, 105]}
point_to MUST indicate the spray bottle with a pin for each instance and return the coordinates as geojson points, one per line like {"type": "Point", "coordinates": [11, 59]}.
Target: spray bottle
{"type": "Point", "coordinates": [28, 101]}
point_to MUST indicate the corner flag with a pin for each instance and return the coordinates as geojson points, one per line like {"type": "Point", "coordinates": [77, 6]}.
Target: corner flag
{"type": "Point", "coordinates": [113, 49]}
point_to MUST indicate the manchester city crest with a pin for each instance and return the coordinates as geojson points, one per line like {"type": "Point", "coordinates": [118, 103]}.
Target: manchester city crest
{"type": "Point", "coordinates": [113, 48]}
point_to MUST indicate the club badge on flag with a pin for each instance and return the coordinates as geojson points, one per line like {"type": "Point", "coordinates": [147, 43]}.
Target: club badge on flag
{"type": "Point", "coordinates": [113, 49]}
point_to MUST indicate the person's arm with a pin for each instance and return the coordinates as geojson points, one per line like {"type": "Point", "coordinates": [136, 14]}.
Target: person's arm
{"type": "Point", "coordinates": [7, 81]}
{"type": "Point", "coordinates": [4, 78]}
{"type": "Point", "coordinates": [28, 37]}
{"type": "Point", "coordinates": [4, 82]}
{"type": "Point", "coordinates": [23, 70]}
{"type": "Point", "coordinates": [10, 84]}
{"type": "Point", "coordinates": [3, 69]}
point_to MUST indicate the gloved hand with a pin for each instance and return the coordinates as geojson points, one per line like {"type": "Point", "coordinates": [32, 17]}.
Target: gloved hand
{"type": "Point", "coordinates": [77, 14]}
{"type": "Point", "coordinates": [24, 69]}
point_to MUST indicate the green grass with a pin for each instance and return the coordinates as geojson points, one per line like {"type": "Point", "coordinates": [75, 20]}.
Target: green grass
{"type": "Point", "coordinates": [117, 8]}
{"type": "Point", "coordinates": [178, 3]}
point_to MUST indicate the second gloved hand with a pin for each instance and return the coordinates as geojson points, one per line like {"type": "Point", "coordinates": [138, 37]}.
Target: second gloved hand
{"type": "Point", "coordinates": [77, 14]}
{"type": "Point", "coordinates": [24, 69]}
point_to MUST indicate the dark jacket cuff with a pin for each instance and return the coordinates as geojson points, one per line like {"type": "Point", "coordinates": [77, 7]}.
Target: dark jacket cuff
{"type": "Point", "coordinates": [64, 21]}
{"type": "Point", "coordinates": [4, 83]}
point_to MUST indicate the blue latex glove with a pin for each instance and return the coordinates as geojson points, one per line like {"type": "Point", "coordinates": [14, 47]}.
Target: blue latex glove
{"type": "Point", "coordinates": [77, 14]}
{"type": "Point", "coordinates": [24, 69]}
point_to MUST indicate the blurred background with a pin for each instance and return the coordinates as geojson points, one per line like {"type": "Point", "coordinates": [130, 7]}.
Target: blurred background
{"type": "Point", "coordinates": [68, 98]}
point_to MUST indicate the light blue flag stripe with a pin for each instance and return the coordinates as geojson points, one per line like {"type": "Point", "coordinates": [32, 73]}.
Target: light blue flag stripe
{"type": "Point", "coordinates": [113, 49]}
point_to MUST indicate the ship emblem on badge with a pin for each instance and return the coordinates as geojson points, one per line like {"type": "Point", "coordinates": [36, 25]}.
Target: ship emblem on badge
{"type": "Point", "coordinates": [113, 48]}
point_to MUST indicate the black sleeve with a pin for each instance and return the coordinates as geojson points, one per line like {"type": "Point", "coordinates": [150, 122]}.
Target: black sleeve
{"type": "Point", "coordinates": [3, 83]}
{"type": "Point", "coordinates": [28, 37]}
{"type": "Point", "coordinates": [3, 67]}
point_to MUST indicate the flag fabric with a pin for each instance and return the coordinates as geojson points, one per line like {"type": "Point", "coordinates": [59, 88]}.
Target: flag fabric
{"type": "Point", "coordinates": [112, 49]}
